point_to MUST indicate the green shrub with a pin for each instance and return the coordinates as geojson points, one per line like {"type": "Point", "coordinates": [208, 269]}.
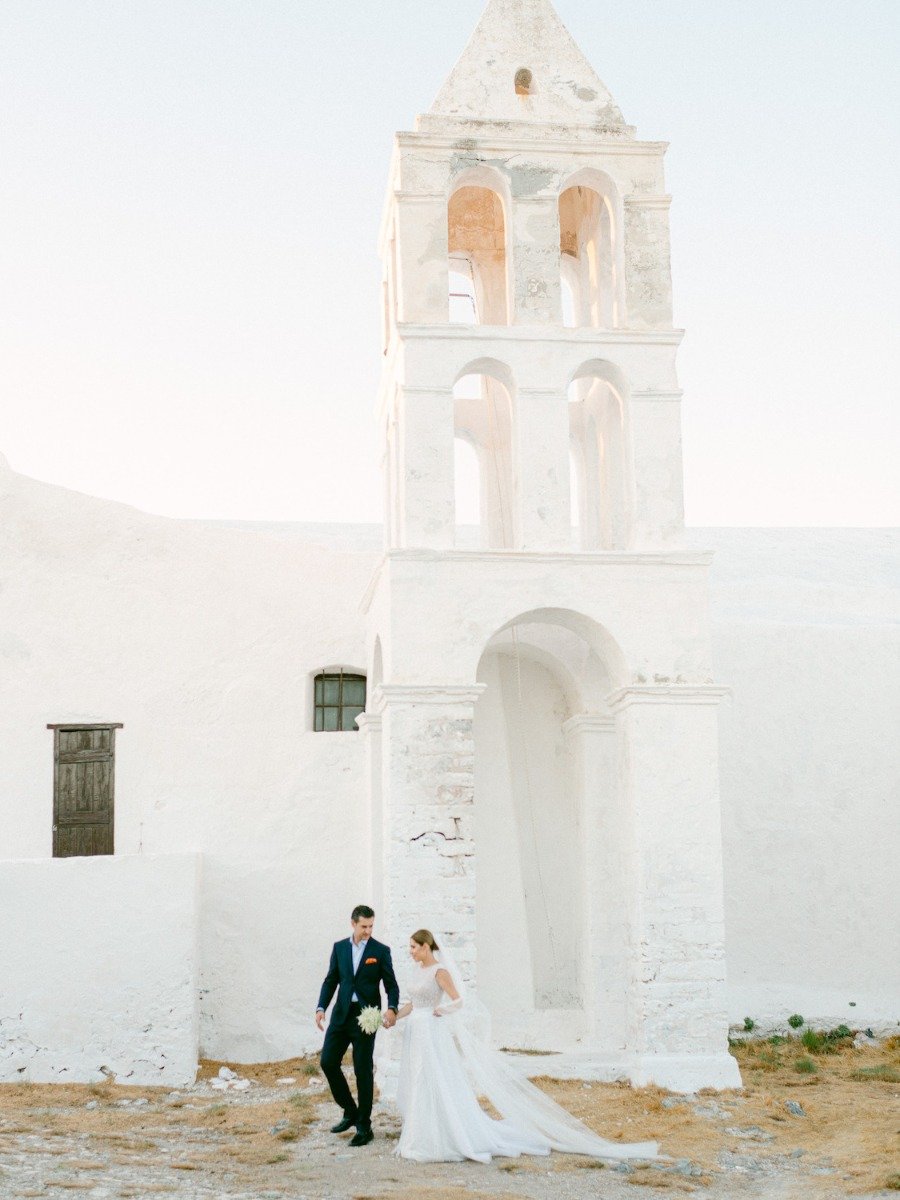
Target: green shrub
{"type": "Point", "coordinates": [749, 1024]}
{"type": "Point", "coordinates": [777, 1040]}
{"type": "Point", "coordinates": [813, 1041]}
{"type": "Point", "coordinates": [892, 1183]}
{"type": "Point", "coordinates": [805, 1066]}
{"type": "Point", "coordinates": [795, 1021]}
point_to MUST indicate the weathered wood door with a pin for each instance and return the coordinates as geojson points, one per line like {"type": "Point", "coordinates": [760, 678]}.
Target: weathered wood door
{"type": "Point", "coordinates": [84, 789]}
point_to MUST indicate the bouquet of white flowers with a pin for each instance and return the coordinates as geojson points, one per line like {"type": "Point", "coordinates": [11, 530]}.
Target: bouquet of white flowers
{"type": "Point", "coordinates": [370, 1020]}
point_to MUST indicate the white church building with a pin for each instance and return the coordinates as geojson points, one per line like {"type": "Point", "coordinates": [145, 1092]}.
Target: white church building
{"type": "Point", "coordinates": [644, 777]}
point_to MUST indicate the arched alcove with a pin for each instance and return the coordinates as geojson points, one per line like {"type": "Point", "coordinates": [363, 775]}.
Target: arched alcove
{"type": "Point", "coordinates": [545, 791]}
{"type": "Point", "coordinates": [590, 252]}
{"type": "Point", "coordinates": [479, 259]}
{"type": "Point", "coordinates": [601, 454]}
{"type": "Point", "coordinates": [483, 426]}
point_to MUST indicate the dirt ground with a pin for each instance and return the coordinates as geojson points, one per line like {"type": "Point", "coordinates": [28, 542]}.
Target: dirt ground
{"type": "Point", "coordinates": [271, 1141]}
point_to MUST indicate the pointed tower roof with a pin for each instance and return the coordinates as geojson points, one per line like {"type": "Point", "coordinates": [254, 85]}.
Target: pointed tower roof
{"type": "Point", "coordinates": [522, 64]}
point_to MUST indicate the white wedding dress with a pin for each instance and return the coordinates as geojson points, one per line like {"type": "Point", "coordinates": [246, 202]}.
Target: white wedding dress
{"type": "Point", "coordinates": [444, 1069]}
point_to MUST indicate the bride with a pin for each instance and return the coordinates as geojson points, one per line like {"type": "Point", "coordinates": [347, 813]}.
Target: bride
{"type": "Point", "coordinates": [444, 1069]}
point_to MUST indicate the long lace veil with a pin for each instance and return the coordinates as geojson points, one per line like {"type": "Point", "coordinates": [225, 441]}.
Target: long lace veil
{"type": "Point", "coordinates": [518, 1100]}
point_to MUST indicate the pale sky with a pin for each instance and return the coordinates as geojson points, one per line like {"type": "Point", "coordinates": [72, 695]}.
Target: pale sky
{"type": "Point", "coordinates": [190, 193]}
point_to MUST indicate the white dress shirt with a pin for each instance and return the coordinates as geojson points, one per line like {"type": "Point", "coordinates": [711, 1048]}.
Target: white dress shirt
{"type": "Point", "coordinates": [357, 950]}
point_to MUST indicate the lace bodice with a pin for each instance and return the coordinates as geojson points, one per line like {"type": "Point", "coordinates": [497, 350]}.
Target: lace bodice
{"type": "Point", "coordinates": [425, 991]}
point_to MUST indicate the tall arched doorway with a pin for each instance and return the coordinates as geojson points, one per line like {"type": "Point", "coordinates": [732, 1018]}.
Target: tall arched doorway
{"type": "Point", "coordinates": [552, 892]}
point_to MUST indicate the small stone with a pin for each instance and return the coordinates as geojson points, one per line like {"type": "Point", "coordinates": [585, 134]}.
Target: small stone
{"type": "Point", "coordinates": [797, 1153]}
{"type": "Point", "coordinates": [286, 1082]}
{"type": "Point", "coordinates": [227, 1073]}
{"type": "Point", "coordinates": [280, 1127]}
{"type": "Point", "coordinates": [221, 1085]}
{"type": "Point", "coordinates": [751, 1133]}
{"type": "Point", "coordinates": [138, 1103]}
{"type": "Point", "coordinates": [624, 1168]}
{"type": "Point", "coordinates": [709, 1111]}
{"type": "Point", "coordinates": [674, 1101]}
{"type": "Point", "coordinates": [92, 1104]}
{"type": "Point", "coordinates": [241, 1085]}
{"type": "Point", "coordinates": [795, 1109]}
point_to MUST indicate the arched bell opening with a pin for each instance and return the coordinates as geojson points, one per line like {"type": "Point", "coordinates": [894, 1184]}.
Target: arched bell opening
{"type": "Point", "coordinates": [478, 263]}
{"type": "Point", "coordinates": [590, 252]}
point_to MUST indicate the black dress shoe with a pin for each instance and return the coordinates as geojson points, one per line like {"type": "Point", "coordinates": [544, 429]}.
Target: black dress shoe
{"type": "Point", "coordinates": [363, 1137]}
{"type": "Point", "coordinates": [344, 1124]}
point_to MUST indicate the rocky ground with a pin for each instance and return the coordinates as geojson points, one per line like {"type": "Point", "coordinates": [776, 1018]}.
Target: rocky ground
{"type": "Point", "coordinates": [823, 1130]}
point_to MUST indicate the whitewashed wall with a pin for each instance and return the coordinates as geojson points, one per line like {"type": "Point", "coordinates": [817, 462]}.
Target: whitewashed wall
{"type": "Point", "coordinates": [201, 638]}
{"type": "Point", "coordinates": [807, 633]}
{"type": "Point", "coordinates": [99, 970]}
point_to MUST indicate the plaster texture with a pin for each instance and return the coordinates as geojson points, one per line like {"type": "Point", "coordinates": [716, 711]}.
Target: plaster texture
{"type": "Point", "coordinates": [203, 641]}
{"type": "Point", "coordinates": [540, 772]}
{"type": "Point", "coordinates": [99, 970]}
{"type": "Point", "coordinates": [803, 631]}
{"type": "Point", "coordinates": [527, 181]}
{"type": "Point", "coordinates": [806, 631]}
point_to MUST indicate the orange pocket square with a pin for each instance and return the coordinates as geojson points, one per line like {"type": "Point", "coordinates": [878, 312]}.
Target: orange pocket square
{"type": "Point", "coordinates": [369, 961]}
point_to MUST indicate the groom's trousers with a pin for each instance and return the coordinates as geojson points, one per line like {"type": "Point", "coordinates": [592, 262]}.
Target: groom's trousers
{"type": "Point", "coordinates": [337, 1039]}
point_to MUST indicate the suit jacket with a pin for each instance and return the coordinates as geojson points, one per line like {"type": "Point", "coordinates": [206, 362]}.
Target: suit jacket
{"type": "Point", "coordinates": [375, 970]}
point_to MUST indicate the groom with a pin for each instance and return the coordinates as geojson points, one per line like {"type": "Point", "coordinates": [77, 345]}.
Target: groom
{"type": "Point", "coordinates": [359, 966]}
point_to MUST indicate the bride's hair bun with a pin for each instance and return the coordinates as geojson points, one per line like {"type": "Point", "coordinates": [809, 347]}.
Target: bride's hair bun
{"type": "Point", "coordinates": [424, 937]}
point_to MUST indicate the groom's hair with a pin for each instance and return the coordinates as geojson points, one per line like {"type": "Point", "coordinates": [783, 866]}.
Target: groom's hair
{"type": "Point", "coordinates": [362, 912]}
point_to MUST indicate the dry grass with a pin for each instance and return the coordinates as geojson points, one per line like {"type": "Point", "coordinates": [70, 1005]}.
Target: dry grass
{"type": "Point", "coordinates": [225, 1134]}
{"type": "Point", "coordinates": [265, 1074]}
{"type": "Point", "coordinates": [438, 1193]}
{"type": "Point", "coordinates": [247, 1138]}
{"type": "Point", "coordinates": [851, 1102]}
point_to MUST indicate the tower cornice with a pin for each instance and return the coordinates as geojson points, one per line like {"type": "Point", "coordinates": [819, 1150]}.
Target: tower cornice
{"type": "Point", "coordinates": [526, 137]}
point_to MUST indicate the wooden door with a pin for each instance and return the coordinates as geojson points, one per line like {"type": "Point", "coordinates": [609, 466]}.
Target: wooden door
{"type": "Point", "coordinates": [84, 790]}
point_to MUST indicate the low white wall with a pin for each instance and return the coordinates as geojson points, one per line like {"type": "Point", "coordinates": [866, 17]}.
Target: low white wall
{"type": "Point", "coordinates": [98, 970]}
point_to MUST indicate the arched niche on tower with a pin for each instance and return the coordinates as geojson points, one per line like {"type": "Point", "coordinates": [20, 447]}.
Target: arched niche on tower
{"type": "Point", "coordinates": [478, 210]}
{"type": "Point", "coordinates": [600, 440]}
{"type": "Point", "coordinates": [547, 802]}
{"type": "Point", "coordinates": [483, 395]}
{"type": "Point", "coordinates": [591, 220]}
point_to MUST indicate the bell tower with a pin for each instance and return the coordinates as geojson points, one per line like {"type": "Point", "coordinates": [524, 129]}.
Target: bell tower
{"type": "Point", "coordinates": [528, 345]}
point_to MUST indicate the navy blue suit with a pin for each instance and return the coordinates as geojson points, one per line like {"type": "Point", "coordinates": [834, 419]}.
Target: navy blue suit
{"type": "Point", "coordinates": [375, 970]}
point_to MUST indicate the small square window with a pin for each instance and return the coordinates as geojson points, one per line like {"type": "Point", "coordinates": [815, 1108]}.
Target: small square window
{"type": "Point", "coordinates": [339, 699]}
